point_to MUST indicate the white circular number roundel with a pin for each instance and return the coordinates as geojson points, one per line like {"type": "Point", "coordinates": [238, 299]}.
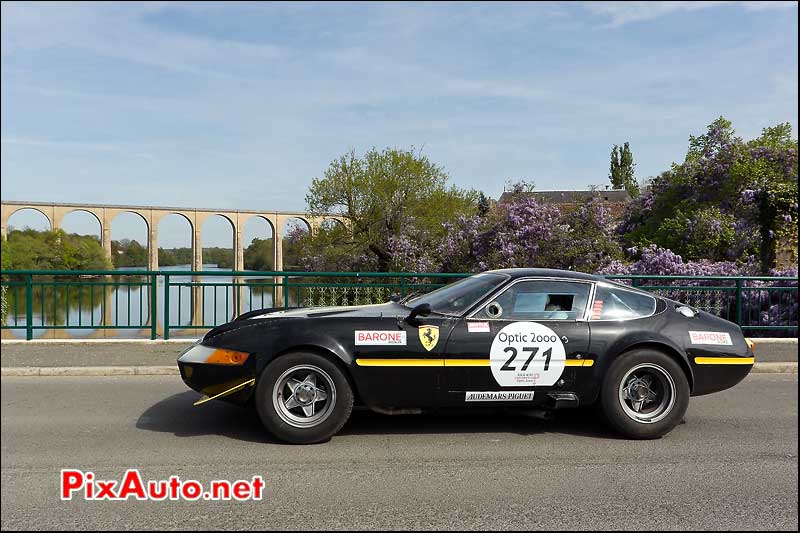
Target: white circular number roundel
{"type": "Point", "coordinates": [525, 354]}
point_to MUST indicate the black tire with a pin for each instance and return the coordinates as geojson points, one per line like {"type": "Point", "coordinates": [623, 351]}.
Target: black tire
{"type": "Point", "coordinates": [665, 373]}
{"type": "Point", "coordinates": [280, 421]}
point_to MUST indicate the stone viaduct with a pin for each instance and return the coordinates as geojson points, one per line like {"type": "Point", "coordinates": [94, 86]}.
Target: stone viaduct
{"type": "Point", "coordinates": [105, 214]}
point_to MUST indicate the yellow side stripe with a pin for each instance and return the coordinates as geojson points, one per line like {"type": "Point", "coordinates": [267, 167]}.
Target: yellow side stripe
{"type": "Point", "coordinates": [450, 362]}
{"type": "Point", "coordinates": [579, 362]}
{"type": "Point", "coordinates": [724, 360]}
{"type": "Point", "coordinates": [400, 362]}
{"type": "Point", "coordinates": [466, 362]}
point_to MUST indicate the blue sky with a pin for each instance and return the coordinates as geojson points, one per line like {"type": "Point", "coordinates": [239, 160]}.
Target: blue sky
{"type": "Point", "coordinates": [241, 105]}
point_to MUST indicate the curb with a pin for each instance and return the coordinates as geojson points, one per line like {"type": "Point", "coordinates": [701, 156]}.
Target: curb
{"type": "Point", "coordinates": [90, 371]}
{"type": "Point", "coordinates": [758, 368]}
{"type": "Point", "coordinates": [775, 368]}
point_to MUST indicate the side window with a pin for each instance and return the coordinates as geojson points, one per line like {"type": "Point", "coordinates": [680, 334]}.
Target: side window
{"type": "Point", "coordinates": [619, 304]}
{"type": "Point", "coordinates": [539, 300]}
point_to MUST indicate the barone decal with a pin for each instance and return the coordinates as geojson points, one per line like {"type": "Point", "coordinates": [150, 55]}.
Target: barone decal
{"type": "Point", "coordinates": [710, 337]}
{"type": "Point", "coordinates": [380, 338]}
{"type": "Point", "coordinates": [429, 336]}
{"type": "Point", "coordinates": [524, 354]}
{"type": "Point", "coordinates": [498, 396]}
{"type": "Point", "coordinates": [478, 327]}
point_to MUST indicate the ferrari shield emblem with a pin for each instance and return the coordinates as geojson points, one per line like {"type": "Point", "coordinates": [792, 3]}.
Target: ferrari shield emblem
{"type": "Point", "coordinates": [429, 336]}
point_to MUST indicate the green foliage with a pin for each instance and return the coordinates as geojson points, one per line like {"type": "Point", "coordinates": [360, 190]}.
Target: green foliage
{"type": "Point", "coordinates": [621, 171]}
{"type": "Point", "coordinates": [730, 199]}
{"type": "Point", "coordinates": [30, 249]}
{"type": "Point", "coordinates": [483, 205]}
{"type": "Point", "coordinates": [383, 195]}
{"type": "Point", "coordinates": [5, 258]}
{"type": "Point", "coordinates": [222, 257]}
{"type": "Point", "coordinates": [260, 255]}
{"type": "Point", "coordinates": [709, 232]}
{"type": "Point", "coordinates": [128, 253]}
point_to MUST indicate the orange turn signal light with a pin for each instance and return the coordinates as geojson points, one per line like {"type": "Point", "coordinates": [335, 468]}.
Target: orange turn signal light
{"type": "Point", "coordinates": [751, 345]}
{"type": "Point", "coordinates": [227, 357]}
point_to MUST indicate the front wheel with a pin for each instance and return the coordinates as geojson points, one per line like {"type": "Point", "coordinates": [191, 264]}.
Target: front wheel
{"type": "Point", "coordinates": [303, 398]}
{"type": "Point", "coordinates": [645, 394]}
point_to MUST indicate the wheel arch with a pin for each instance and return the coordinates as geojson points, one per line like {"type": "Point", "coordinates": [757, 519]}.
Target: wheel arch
{"type": "Point", "coordinates": [327, 353]}
{"type": "Point", "coordinates": [666, 349]}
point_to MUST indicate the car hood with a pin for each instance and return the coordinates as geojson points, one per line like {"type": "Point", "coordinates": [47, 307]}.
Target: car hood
{"type": "Point", "coordinates": [374, 310]}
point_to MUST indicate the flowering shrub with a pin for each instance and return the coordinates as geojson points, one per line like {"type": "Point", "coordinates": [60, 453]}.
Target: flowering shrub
{"type": "Point", "coordinates": [523, 232]}
{"type": "Point", "coordinates": [728, 200]}
{"type": "Point", "coordinates": [760, 305]}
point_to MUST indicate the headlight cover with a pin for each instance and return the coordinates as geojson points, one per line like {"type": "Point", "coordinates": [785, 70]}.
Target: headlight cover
{"type": "Point", "coordinates": [213, 356]}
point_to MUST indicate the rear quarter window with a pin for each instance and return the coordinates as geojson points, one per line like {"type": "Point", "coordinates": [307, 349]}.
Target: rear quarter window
{"type": "Point", "coordinates": [619, 304]}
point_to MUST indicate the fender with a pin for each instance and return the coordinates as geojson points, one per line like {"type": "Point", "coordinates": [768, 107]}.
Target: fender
{"type": "Point", "coordinates": [606, 348]}
{"type": "Point", "coordinates": [270, 337]}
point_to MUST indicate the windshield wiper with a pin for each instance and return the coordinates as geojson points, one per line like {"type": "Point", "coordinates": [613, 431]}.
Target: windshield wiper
{"type": "Point", "coordinates": [407, 297]}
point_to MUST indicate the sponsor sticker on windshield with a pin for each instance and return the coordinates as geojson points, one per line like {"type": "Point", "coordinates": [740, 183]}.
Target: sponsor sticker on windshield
{"type": "Point", "coordinates": [380, 338]}
{"type": "Point", "coordinates": [710, 337]}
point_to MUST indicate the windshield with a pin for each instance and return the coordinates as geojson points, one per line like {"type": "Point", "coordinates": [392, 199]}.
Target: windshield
{"type": "Point", "coordinates": [457, 297]}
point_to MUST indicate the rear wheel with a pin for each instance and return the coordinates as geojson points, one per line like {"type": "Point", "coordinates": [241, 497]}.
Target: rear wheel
{"type": "Point", "coordinates": [645, 394]}
{"type": "Point", "coordinates": [303, 398]}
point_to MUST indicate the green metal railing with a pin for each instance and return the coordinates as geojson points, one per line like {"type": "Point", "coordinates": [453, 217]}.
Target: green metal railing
{"type": "Point", "coordinates": [164, 303]}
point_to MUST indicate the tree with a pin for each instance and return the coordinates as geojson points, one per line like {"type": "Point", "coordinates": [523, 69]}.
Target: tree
{"type": "Point", "coordinates": [384, 197]}
{"type": "Point", "coordinates": [259, 255]}
{"type": "Point", "coordinates": [30, 249]}
{"type": "Point", "coordinates": [522, 232]}
{"type": "Point", "coordinates": [483, 205]}
{"type": "Point", "coordinates": [127, 253]}
{"type": "Point", "coordinates": [728, 200]}
{"type": "Point", "coordinates": [621, 172]}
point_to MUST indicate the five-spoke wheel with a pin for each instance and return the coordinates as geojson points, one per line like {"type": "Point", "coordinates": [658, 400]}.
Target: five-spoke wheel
{"type": "Point", "coordinates": [645, 394]}
{"type": "Point", "coordinates": [303, 398]}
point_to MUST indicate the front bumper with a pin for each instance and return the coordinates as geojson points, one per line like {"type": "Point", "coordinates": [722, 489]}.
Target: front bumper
{"type": "Point", "coordinates": [212, 379]}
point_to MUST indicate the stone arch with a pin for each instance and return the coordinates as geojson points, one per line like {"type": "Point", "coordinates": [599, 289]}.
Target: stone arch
{"type": "Point", "coordinates": [290, 221]}
{"type": "Point", "coordinates": [97, 217]}
{"type": "Point", "coordinates": [203, 226]}
{"type": "Point", "coordinates": [112, 217]}
{"type": "Point", "coordinates": [173, 215]}
{"type": "Point", "coordinates": [328, 222]}
{"type": "Point", "coordinates": [7, 216]}
{"type": "Point", "coordinates": [258, 262]}
{"type": "Point", "coordinates": [288, 257]}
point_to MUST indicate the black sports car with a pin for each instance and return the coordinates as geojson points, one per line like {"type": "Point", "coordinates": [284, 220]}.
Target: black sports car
{"type": "Point", "coordinates": [534, 339]}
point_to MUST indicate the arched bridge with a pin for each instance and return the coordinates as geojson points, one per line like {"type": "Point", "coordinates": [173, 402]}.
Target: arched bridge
{"type": "Point", "coordinates": [152, 215]}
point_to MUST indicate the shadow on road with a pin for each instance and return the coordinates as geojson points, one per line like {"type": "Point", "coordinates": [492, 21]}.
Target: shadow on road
{"type": "Point", "coordinates": [176, 415]}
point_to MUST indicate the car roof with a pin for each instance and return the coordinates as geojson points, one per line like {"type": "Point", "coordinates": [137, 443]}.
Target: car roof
{"type": "Point", "coordinates": [515, 273]}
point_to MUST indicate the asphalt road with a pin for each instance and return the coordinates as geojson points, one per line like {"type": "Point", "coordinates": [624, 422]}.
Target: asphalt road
{"type": "Point", "coordinates": [732, 465]}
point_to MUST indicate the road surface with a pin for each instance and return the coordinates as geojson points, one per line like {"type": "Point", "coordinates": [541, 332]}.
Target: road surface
{"type": "Point", "coordinates": [732, 465]}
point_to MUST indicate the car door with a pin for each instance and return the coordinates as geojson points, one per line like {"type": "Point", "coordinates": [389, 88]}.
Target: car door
{"type": "Point", "coordinates": [522, 339]}
{"type": "Point", "coordinates": [400, 364]}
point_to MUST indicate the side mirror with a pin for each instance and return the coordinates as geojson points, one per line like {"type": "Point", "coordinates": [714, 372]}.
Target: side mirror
{"type": "Point", "coordinates": [423, 309]}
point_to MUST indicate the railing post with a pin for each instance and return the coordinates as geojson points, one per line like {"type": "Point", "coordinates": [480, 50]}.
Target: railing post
{"type": "Point", "coordinates": [402, 285]}
{"type": "Point", "coordinates": [166, 307]}
{"type": "Point", "coordinates": [739, 301]}
{"type": "Point", "coordinates": [28, 307]}
{"type": "Point", "coordinates": [153, 306]}
{"type": "Point", "coordinates": [285, 282]}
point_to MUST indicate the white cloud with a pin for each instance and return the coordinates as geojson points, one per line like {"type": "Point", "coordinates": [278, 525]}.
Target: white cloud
{"type": "Point", "coordinates": [621, 13]}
